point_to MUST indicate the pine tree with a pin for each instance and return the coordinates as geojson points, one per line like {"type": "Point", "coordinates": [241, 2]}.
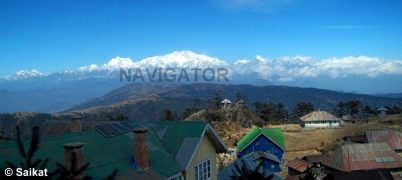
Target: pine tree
{"type": "Point", "coordinates": [29, 162]}
{"type": "Point", "coordinates": [28, 156]}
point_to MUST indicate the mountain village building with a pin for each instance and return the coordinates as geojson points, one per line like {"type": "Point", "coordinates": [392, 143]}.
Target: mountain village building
{"type": "Point", "coordinates": [265, 145]}
{"type": "Point", "coordinates": [226, 103]}
{"type": "Point", "coordinates": [320, 119]}
{"type": "Point", "coordinates": [382, 111]}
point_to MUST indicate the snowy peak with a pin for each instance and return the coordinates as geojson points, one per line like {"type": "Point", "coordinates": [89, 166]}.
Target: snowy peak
{"type": "Point", "coordinates": [114, 63]}
{"type": "Point", "coordinates": [32, 73]}
{"type": "Point", "coordinates": [176, 59]}
{"type": "Point", "coordinates": [25, 74]}
{"type": "Point", "coordinates": [89, 68]}
{"type": "Point", "coordinates": [119, 62]}
{"type": "Point", "coordinates": [181, 59]}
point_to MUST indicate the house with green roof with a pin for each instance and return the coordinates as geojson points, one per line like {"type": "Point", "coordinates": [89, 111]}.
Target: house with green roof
{"type": "Point", "coordinates": [266, 144]}
{"type": "Point", "coordinates": [147, 150]}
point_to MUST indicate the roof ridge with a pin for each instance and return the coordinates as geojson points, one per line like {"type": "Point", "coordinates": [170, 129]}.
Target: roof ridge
{"type": "Point", "coordinates": [163, 144]}
{"type": "Point", "coordinates": [255, 132]}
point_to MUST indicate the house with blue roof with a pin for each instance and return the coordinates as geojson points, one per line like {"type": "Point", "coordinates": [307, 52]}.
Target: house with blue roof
{"type": "Point", "coordinates": [265, 145]}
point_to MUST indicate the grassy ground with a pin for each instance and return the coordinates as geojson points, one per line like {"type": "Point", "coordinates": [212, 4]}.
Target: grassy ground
{"type": "Point", "coordinates": [325, 140]}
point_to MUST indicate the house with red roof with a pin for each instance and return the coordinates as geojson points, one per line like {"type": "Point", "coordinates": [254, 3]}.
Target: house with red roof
{"type": "Point", "coordinates": [392, 137]}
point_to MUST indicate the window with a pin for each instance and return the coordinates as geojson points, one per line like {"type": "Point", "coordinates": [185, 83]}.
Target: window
{"type": "Point", "coordinates": [202, 171]}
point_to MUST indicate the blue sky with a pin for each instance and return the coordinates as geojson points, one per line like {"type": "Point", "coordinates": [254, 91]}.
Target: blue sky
{"type": "Point", "coordinates": [57, 35]}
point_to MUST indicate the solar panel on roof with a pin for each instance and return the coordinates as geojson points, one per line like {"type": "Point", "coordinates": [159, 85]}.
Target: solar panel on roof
{"type": "Point", "coordinates": [102, 130]}
{"type": "Point", "coordinates": [121, 127]}
{"type": "Point", "coordinates": [113, 129]}
{"type": "Point", "coordinates": [127, 125]}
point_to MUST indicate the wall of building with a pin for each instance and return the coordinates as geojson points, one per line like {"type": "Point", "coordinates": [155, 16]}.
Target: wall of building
{"type": "Point", "coordinates": [315, 124]}
{"type": "Point", "coordinates": [205, 151]}
{"type": "Point", "coordinates": [262, 143]}
{"type": "Point", "coordinates": [271, 166]}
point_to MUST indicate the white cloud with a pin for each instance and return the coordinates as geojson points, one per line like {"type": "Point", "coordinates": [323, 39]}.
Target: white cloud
{"type": "Point", "coordinates": [290, 68]}
{"type": "Point", "coordinates": [361, 65]}
{"type": "Point", "coordinates": [242, 61]}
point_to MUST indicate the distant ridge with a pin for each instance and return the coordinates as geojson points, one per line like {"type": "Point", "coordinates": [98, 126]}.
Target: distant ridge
{"type": "Point", "coordinates": [390, 95]}
{"type": "Point", "coordinates": [153, 98]}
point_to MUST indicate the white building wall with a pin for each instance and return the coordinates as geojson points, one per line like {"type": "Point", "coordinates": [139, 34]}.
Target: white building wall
{"type": "Point", "coordinates": [321, 124]}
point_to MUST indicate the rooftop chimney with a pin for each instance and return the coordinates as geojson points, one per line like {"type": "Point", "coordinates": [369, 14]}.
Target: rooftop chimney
{"type": "Point", "coordinates": [69, 150]}
{"type": "Point", "coordinates": [141, 147]}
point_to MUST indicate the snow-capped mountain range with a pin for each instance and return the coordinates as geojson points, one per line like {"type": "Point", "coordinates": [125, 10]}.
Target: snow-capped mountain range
{"type": "Point", "coordinates": [31, 90]}
{"type": "Point", "coordinates": [351, 73]}
{"type": "Point", "coordinates": [176, 59]}
{"type": "Point", "coordinates": [285, 69]}
{"type": "Point", "coordinates": [25, 74]}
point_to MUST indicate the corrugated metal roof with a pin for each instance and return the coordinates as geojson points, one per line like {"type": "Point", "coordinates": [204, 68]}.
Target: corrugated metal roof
{"type": "Point", "coordinates": [363, 175]}
{"type": "Point", "coordinates": [186, 150]}
{"type": "Point", "coordinates": [107, 154]}
{"type": "Point", "coordinates": [259, 154]}
{"type": "Point", "coordinates": [299, 164]}
{"type": "Point", "coordinates": [355, 139]}
{"type": "Point", "coordinates": [316, 158]}
{"type": "Point", "coordinates": [275, 134]}
{"type": "Point", "coordinates": [160, 131]}
{"type": "Point", "coordinates": [357, 175]}
{"type": "Point", "coordinates": [392, 137]}
{"type": "Point", "coordinates": [351, 157]}
{"type": "Point", "coordinates": [319, 116]}
{"type": "Point", "coordinates": [103, 154]}
{"type": "Point", "coordinates": [177, 131]}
